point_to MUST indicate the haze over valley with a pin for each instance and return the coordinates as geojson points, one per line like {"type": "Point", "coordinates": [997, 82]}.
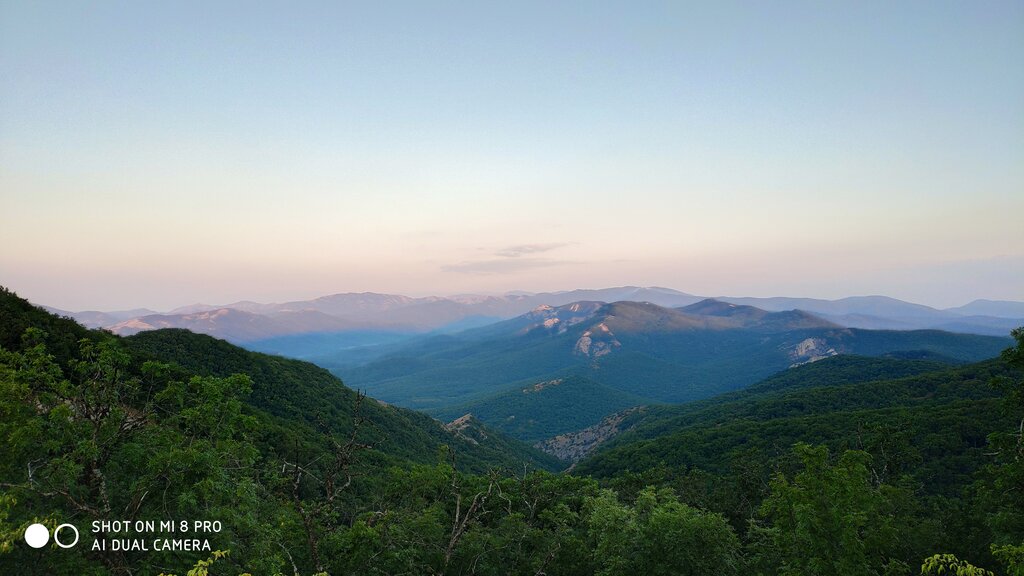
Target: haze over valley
{"type": "Point", "coordinates": [249, 321]}
{"type": "Point", "coordinates": [541, 366]}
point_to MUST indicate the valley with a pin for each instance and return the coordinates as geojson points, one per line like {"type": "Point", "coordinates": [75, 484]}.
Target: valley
{"type": "Point", "coordinates": [564, 414]}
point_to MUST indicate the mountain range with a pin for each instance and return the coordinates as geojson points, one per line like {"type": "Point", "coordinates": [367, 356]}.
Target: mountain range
{"type": "Point", "coordinates": [294, 402]}
{"type": "Point", "coordinates": [306, 328]}
{"type": "Point", "coordinates": [575, 369]}
{"type": "Point", "coordinates": [883, 313]}
{"type": "Point", "coordinates": [844, 401]}
{"type": "Point", "coordinates": [558, 371]}
{"type": "Point", "coordinates": [259, 440]}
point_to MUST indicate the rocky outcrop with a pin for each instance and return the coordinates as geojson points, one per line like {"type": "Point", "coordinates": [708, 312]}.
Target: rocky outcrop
{"type": "Point", "coordinates": [468, 428]}
{"type": "Point", "coordinates": [596, 342]}
{"type": "Point", "coordinates": [542, 385]}
{"type": "Point", "coordinates": [811, 350]}
{"type": "Point", "coordinates": [573, 446]}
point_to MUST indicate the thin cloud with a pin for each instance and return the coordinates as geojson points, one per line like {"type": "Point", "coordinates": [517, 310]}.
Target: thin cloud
{"type": "Point", "coordinates": [520, 250]}
{"type": "Point", "coordinates": [508, 265]}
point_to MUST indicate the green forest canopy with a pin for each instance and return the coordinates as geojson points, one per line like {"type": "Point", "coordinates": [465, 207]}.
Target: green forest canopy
{"type": "Point", "coordinates": [174, 425]}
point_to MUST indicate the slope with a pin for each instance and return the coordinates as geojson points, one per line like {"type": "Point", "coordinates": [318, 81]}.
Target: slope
{"type": "Point", "coordinates": [240, 325]}
{"type": "Point", "coordinates": [885, 313]}
{"type": "Point", "coordinates": [289, 395]}
{"type": "Point", "coordinates": [664, 354]}
{"type": "Point", "coordinates": [937, 420]}
{"type": "Point", "coordinates": [297, 391]}
{"type": "Point", "coordinates": [548, 408]}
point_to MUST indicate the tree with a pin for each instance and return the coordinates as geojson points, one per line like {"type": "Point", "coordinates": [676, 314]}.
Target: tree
{"type": "Point", "coordinates": [829, 519]}
{"type": "Point", "coordinates": [950, 565]}
{"type": "Point", "coordinates": [1004, 493]}
{"type": "Point", "coordinates": [318, 505]}
{"type": "Point", "coordinates": [660, 536]}
{"type": "Point", "coordinates": [111, 439]}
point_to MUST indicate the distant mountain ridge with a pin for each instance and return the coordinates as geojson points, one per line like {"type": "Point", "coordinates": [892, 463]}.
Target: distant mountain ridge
{"type": "Point", "coordinates": [885, 313]}
{"type": "Point", "coordinates": [838, 401]}
{"type": "Point", "coordinates": [96, 319]}
{"type": "Point", "coordinates": [239, 325]}
{"type": "Point", "coordinates": [287, 396]}
{"type": "Point", "coordinates": [648, 351]}
{"type": "Point", "coordinates": [359, 311]}
{"type": "Point", "coordinates": [344, 312]}
{"type": "Point", "coordinates": [996, 308]}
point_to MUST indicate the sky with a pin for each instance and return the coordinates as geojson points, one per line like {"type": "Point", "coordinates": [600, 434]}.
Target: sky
{"type": "Point", "coordinates": [160, 154]}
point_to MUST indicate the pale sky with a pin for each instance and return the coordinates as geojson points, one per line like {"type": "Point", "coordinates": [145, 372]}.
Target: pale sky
{"type": "Point", "coordinates": [159, 154]}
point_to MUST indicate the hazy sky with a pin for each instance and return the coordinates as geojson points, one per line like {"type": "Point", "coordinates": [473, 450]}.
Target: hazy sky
{"type": "Point", "coordinates": [158, 154]}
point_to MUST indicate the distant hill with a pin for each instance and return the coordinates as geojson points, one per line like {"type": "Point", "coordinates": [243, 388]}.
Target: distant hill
{"type": "Point", "coordinates": [997, 308]}
{"type": "Point", "coordinates": [834, 371]}
{"type": "Point", "coordinates": [879, 306]}
{"type": "Point", "coordinates": [323, 318]}
{"type": "Point", "coordinates": [95, 319]}
{"type": "Point", "coordinates": [663, 354]}
{"type": "Point", "coordinates": [433, 312]}
{"type": "Point", "coordinates": [923, 412]}
{"type": "Point", "coordinates": [751, 317]}
{"type": "Point", "coordinates": [298, 391]}
{"type": "Point", "coordinates": [843, 370]}
{"type": "Point", "coordinates": [292, 398]}
{"type": "Point", "coordinates": [238, 325]}
{"type": "Point", "coordinates": [884, 313]}
{"type": "Point", "coordinates": [309, 345]}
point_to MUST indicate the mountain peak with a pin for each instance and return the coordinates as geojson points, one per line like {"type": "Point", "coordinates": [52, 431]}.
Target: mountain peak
{"type": "Point", "coordinates": [995, 308]}
{"type": "Point", "coordinates": [627, 317]}
{"type": "Point", "coordinates": [713, 307]}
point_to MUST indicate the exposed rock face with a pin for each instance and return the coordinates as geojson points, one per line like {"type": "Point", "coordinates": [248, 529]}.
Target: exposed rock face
{"type": "Point", "coordinates": [597, 342]}
{"type": "Point", "coordinates": [467, 428]}
{"type": "Point", "coordinates": [811, 350]}
{"type": "Point", "coordinates": [542, 385]}
{"type": "Point", "coordinates": [583, 344]}
{"type": "Point", "coordinates": [561, 318]}
{"type": "Point", "coordinates": [573, 446]}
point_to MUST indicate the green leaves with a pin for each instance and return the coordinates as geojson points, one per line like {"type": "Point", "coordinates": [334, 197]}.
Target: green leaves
{"type": "Point", "coordinates": [90, 431]}
{"type": "Point", "coordinates": [104, 436]}
{"type": "Point", "coordinates": [659, 535]}
{"type": "Point", "coordinates": [830, 519]}
{"type": "Point", "coordinates": [950, 565]}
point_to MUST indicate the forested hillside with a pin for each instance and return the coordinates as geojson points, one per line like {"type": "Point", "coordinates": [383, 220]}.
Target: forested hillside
{"type": "Point", "coordinates": [540, 410]}
{"type": "Point", "coordinates": [846, 466]}
{"type": "Point", "coordinates": [923, 427]}
{"type": "Point", "coordinates": [661, 354]}
{"type": "Point", "coordinates": [296, 391]}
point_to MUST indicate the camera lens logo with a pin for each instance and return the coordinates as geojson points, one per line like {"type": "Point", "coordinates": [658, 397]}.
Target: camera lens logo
{"type": "Point", "coordinates": [38, 535]}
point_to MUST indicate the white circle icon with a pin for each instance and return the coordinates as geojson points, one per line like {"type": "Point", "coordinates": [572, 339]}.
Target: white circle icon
{"type": "Point", "coordinates": [37, 535]}
{"type": "Point", "coordinates": [57, 531]}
